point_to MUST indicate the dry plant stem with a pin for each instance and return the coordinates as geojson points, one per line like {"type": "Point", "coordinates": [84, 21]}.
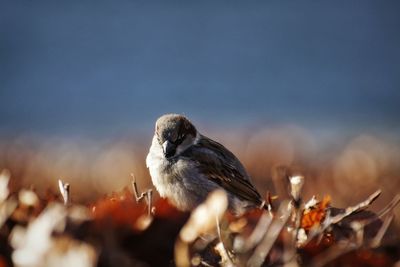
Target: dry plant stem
{"type": "Point", "coordinates": [291, 244]}
{"type": "Point", "coordinates": [228, 257]}
{"type": "Point", "coordinates": [258, 233]}
{"type": "Point", "coordinates": [148, 195]}
{"type": "Point", "coordinates": [376, 241]}
{"type": "Point", "coordinates": [395, 201]}
{"type": "Point", "coordinates": [344, 247]}
{"type": "Point", "coordinates": [269, 204]}
{"type": "Point", "coordinates": [297, 220]}
{"type": "Point", "coordinates": [319, 231]}
{"type": "Point", "coordinates": [389, 208]}
{"type": "Point", "coordinates": [64, 190]}
{"type": "Point", "coordinates": [296, 183]}
{"type": "Point", "coordinates": [296, 186]}
{"type": "Point", "coordinates": [289, 258]}
{"type": "Point", "coordinates": [358, 228]}
{"type": "Point", "coordinates": [358, 207]}
{"type": "Point", "coordinates": [149, 200]}
{"type": "Point", "coordinates": [136, 191]}
{"type": "Point", "coordinates": [262, 250]}
{"type": "Point", "coordinates": [330, 220]}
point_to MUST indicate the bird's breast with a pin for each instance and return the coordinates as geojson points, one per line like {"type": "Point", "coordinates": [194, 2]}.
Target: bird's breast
{"type": "Point", "coordinates": [168, 177]}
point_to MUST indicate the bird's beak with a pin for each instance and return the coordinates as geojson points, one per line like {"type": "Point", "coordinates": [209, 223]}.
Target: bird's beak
{"type": "Point", "coordinates": [169, 149]}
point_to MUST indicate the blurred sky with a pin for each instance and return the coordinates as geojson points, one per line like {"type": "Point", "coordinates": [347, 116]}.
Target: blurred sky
{"type": "Point", "coordinates": [114, 66]}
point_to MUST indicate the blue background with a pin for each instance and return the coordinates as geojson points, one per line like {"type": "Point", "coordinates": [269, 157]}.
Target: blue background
{"type": "Point", "coordinates": [109, 67]}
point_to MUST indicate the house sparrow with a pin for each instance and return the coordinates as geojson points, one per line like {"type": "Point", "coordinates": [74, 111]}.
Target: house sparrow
{"type": "Point", "coordinates": [185, 166]}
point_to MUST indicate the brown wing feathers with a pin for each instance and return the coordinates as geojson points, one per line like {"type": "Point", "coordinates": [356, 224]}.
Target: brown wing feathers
{"type": "Point", "coordinates": [222, 167]}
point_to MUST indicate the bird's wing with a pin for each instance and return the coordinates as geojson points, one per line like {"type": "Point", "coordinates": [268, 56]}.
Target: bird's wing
{"type": "Point", "coordinates": [219, 165]}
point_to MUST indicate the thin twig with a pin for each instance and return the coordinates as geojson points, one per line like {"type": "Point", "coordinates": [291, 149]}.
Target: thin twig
{"type": "Point", "coordinates": [389, 208]}
{"type": "Point", "coordinates": [298, 213]}
{"type": "Point", "coordinates": [224, 250]}
{"type": "Point", "coordinates": [258, 233]}
{"type": "Point", "coordinates": [289, 253]}
{"type": "Point", "coordinates": [262, 250]}
{"type": "Point", "coordinates": [64, 190]}
{"type": "Point", "coordinates": [341, 248]}
{"type": "Point", "coordinates": [149, 200]}
{"type": "Point", "coordinates": [358, 228]}
{"type": "Point", "coordinates": [344, 247]}
{"type": "Point", "coordinates": [330, 220]}
{"type": "Point", "coordinates": [270, 207]}
{"type": "Point", "coordinates": [395, 201]}
{"type": "Point", "coordinates": [376, 241]}
{"type": "Point", "coordinates": [136, 191]}
{"type": "Point", "coordinates": [148, 195]}
{"type": "Point", "coordinates": [356, 208]}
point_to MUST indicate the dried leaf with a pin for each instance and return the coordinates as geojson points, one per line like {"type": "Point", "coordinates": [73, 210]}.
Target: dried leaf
{"type": "Point", "coordinates": [313, 215]}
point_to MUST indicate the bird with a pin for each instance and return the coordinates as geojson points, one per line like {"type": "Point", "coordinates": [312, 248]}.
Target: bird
{"type": "Point", "coordinates": [185, 166]}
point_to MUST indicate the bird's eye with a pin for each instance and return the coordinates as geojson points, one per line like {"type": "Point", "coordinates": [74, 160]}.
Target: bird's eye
{"type": "Point", "coordinates": [180, 137]}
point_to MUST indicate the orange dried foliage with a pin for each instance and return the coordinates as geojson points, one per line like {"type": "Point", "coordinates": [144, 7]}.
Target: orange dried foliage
{"type": "Point", "coordinates": [164, 210]}
{"type": "Point", "coordinates": [315, 215]}
{"type": "Point", "coordinates": [119, 208]}
{"type": "Point", "coordinates": [122, 209]}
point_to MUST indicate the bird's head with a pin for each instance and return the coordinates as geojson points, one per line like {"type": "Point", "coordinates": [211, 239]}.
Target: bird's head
{"type": "Point", "coordinates": [174, 133]}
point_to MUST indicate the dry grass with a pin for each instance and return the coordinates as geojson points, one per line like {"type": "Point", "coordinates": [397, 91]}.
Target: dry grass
{"type": "Point", "coordinates": [89, 229]}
